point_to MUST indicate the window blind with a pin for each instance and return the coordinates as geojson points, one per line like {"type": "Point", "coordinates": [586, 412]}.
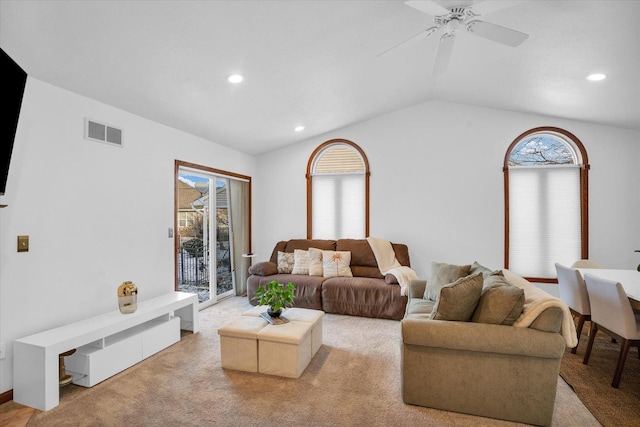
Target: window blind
{"type": "Point", "coordinates": [544, 219]}
{"type": "Point", "coordinates": [338, 203]}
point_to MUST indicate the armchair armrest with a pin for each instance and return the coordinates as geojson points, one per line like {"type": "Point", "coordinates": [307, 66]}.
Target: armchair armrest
{"type": "Point", "coordinates": [265, 268]}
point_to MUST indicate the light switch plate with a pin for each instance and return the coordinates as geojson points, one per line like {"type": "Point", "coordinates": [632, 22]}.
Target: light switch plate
{"type": "Point", "coordinates": [23, 243]}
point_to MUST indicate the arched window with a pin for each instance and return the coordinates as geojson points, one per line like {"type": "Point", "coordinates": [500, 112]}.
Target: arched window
{"type": "Point", "coordinates": [546, 202]}
{"type": "Point", "coordinates": [337, 191]}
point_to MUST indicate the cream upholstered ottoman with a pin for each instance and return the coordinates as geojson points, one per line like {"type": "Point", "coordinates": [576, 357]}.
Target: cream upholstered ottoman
{"type": "Point", "coordinates": [299, 315]}
{"type": "Point", "coordinates": [284, 350]}
{"type": "Point", "coordinates": [256, 310]}
{"type": "Point", "coordinates": [314, 317]}
{"type": "Point", "coordinates": [239, 343]}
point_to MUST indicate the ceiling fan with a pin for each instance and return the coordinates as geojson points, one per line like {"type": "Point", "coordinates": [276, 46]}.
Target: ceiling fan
{"type": "Point", "coordinates": [452, 18]}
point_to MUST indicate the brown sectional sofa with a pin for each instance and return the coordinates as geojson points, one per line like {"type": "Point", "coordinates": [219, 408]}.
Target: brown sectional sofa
{"type": "Point", "coordinates": [368, 293]}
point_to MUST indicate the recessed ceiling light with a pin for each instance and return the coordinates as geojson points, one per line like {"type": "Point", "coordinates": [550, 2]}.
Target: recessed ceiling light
{"type": "Point", "coordinates": [299, 128]}
{"type": "Point", "coordinates": [596, 77]}
{"type": "Point", "coordinates": [235, 78]}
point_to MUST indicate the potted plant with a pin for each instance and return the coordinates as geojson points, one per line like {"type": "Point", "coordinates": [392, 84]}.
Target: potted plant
{"type": "Point", "coordinates": [276, 295]}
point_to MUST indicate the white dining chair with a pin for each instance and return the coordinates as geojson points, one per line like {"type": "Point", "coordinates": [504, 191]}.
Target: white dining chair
{"type": "Point", "coordinates": [611, 312]}
{"type": "Point", "coordinates": [586, 263]}
{"type": "Point", "coordinates": [573, 292]}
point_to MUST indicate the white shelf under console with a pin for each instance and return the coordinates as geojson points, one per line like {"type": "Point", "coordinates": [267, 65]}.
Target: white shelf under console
{"type": "Point", "coordinates": [91, 365]}
{"type": "Point", "coordinates": [105, 345]}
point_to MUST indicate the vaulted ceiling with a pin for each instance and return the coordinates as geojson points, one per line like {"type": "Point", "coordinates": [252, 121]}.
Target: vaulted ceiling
{"type": "Point", "coordinates": [320, 63]}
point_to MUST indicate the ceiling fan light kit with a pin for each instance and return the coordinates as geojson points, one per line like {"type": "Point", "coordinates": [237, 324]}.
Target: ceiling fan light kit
{"type": "Point", "coordinates": [452, 19]}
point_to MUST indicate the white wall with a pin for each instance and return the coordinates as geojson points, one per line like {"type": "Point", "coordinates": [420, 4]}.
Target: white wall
{"type": "Point", "coordinates": [96, 214]}
{"type": "Point", "coordinates": [437, 184]}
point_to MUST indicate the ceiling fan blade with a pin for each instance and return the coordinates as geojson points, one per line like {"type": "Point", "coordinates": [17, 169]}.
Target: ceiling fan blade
{"type": "Point", "coordinates": [497, 33]}
{"type": "Point", "coordinates": [428, 7]}
{"type": "Point", "coordinates": [486, 7]}
{"type": "Point", "coordinates": [411, 40]}
{"type": "Point", "coordinates": [445, 47]}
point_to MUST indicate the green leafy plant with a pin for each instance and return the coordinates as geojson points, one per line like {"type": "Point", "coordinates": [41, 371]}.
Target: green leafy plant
{"type": "Point", "coordinates": [276, 295]}
{"type": "Point", "coordinates": [638, 250]}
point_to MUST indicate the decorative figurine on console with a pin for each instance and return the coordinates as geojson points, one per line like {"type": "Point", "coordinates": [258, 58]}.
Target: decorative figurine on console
{"type": "Point", "coordinates": [128, 297]}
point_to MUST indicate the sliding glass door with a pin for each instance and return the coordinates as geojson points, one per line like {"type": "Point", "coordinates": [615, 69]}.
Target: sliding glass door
{"type": "Point", "coordinates": [213, 231]}
{"type": "Point", "coordinates": [204, 233]}
{"type": "Point", "coordinates": [223, 246]}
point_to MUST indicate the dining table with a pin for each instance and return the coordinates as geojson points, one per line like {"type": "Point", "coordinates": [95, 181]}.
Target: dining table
{"type": "Point", "coordinates": [629, 279]}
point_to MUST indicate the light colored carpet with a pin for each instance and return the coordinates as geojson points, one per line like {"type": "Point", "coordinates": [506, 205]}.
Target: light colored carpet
{"type": "Point", "coordinates": [353, 380]}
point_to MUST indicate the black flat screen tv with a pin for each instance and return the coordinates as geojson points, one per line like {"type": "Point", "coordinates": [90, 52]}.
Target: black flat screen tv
{"type": "Point", "coordinates": [13, 80]}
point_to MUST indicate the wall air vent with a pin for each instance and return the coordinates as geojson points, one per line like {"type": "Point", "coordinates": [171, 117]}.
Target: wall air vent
{"type": "Point", "coordinates": [103, 133]}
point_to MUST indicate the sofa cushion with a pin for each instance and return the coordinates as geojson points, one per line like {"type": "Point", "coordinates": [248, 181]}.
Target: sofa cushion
{"type": "Point", "coordinates": [457, 301]}
{"type": "Point", "coordinates": [315, 262]}
{"type": "Point", "coordinates": [336, 264]}
{"type": "Point", "coordinates": [300, 262]}
{"type": "Point", "coordinates": [488, 280]}
{"type": "Point", "coordinates": [500, 303]}
{"type": "Point", "coordinates": [280, 247]}
{"type": "Point", "coordinates": [308, 288]}
{"type": "Point", "coordinates": [305, 244]}
{"type": "Point", "coordinates": [419, 306]}
{"type": "Point", "coordinates": [402, 253]}
{"type": "Point", "coordinates": [364, 271]}
{"type": "Point", "coordinates": [285, 262]}
{"type": "Point", "coordinates": [264, 268]}
{"type": "Point", "coordinates": [443, 274]}
{"type": "Point", "coordinates": [476, 267]}
{"type": "Point", "coordinates": [363, 296]}
{"type": "Point", "coordinates": [496, 278]}
{"type": "Point", "coordinates": [363, 261]}
{"type": "Point", "coordinates": [361, 253]}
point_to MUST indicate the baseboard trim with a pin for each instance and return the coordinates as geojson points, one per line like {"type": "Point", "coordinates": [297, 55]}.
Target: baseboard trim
{"type": "Point", "coordinates": [7, 396]}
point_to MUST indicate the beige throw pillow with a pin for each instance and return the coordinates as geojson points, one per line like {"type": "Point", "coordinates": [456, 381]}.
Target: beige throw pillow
{"type": "Point", "coordinates": [457, 301]}
{"type": "Point", "coordinates": [300, 262]}
{"type": "Point", "coordinates": [336, 264]}
{"type": "Point", "coordinates": [500, 303]}
{"type": "Point", "coordinates": [486, 272]}
{"type": "Point", "coordinates": [285, 262]}
{"type": "Point", "coordinates": [315, 262]}
{"type": "Point", "coordinates": [443, 274]}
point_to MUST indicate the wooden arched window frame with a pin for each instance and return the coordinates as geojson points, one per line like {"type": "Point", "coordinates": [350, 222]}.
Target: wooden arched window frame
{"type": "Point", "coordinates": [309, 177]}
{"type": "Point", "coordinates": [582, 162]}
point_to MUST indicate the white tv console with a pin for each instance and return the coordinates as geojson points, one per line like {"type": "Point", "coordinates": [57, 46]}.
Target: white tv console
{"type": "Point", "coordinates": [107, 344]}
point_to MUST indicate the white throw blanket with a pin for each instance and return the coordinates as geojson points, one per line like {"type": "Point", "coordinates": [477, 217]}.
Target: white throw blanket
{"type": "Point", "coordinates": [535, 302]}
{"type": "Point", "coordinates": [389, 264]}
